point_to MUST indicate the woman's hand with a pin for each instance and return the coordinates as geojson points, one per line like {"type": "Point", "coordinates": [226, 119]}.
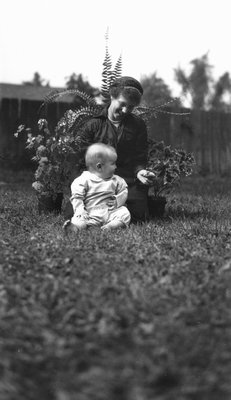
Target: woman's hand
{"type": "Point", "coordinates": [145, 177]}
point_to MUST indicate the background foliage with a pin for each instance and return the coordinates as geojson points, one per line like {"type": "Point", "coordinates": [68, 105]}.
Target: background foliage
{"type": "Point", "coordinates": [204, 91]}
{"type": "Point", "coordinates": [198, 85]}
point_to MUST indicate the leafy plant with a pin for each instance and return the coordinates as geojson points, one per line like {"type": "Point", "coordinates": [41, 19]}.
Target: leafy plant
{"type": "Point", "coordinates": [109, 75]}
{"type": "Point", "coordinates": [55, 155]}
{"type": "Point", "coordinates": [168, 165]}
{"type": "Point", "coordinates": [58, 153]}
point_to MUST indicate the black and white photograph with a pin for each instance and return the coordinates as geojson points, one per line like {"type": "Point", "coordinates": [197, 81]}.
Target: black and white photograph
{"type": "Point", "coordinates": [115, 200]}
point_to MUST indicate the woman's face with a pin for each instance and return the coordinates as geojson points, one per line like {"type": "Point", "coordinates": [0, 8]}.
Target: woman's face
{"type": "Point", "coordinates": [119, 107]}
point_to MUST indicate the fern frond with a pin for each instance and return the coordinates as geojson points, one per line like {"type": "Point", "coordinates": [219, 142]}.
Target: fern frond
{"type": "Point", "coordinates": [84, 115]}
{"type": "Point", "coordinates": [73, 120]}
{"type": "Point", "coordinates": [116, 73]}
{"type": "Point", "coordinates": [109, 75]}
{"type": "Point", "coordinates": [167, 102]}
{"type": "Point", "coordinates": [107, 65]}
{"type": "Point", "coordinates": [107, 34]}
{"type": "Point", "coordinates": [146, 112]}
{"type": "Point", "coordinates": [172, 112]}
{"type": "Point", "coordinates": [84, 96]}
{"type": "Point", "coordinates": [107, 71]}
{"type": "Point", "coordinates": [55, 94]}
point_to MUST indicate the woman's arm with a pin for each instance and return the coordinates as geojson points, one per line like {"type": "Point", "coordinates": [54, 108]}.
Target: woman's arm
{"type": "Point", "coordinates": [141, 151]}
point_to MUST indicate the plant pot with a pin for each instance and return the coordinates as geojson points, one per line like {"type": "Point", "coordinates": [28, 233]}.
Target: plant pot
{"type": "Point", "coordinates": [156, 206]}
{"type": "Point", "coordinates": [51, 203]}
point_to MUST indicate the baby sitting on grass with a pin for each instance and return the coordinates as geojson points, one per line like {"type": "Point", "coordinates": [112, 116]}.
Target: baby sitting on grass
{"type": "Point", "coordinates": [98, 196]}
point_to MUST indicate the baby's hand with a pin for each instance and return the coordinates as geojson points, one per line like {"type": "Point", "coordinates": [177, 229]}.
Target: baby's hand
{"type": "Point", "coordinates": [111, 203]}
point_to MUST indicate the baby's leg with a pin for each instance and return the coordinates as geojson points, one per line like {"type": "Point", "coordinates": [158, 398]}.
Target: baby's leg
{"type": "Point", "coordinates": [118, 218]}
{"type": "Point", "coordinates": [114, 224]}
{"type": "Point", "coordinates": [97, 217]}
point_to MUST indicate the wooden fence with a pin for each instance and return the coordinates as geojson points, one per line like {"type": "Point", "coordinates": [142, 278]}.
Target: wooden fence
{"type": "Point", "coordinates": [13, 113]}
{"type": "Point", "coordinates": [206, 134]}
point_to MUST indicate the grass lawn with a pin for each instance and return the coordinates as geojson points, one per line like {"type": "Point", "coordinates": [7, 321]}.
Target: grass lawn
{"type": "Point", "coordinates": [137, 314]}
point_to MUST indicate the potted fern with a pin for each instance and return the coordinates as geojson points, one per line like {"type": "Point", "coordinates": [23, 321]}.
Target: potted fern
{"type": "Point", "coordinates": [168, 166]}
{"type": "Point", "coordinates": [60, 152]}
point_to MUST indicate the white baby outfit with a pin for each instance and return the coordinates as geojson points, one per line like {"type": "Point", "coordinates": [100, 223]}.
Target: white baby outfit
{"type": "Point", "coordinates": [90, 194]}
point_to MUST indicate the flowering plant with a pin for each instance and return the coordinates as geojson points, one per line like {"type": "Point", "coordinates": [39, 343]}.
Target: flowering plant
{"type": "Point", "coordinates": [168, 166]}
{"type": "Point", "coordinates": [60, 153]}
{"type": "Point", "coordinates": [56, 154]}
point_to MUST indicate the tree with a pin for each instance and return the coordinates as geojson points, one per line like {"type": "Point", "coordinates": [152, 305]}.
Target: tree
{"type": "Point", "coordinates": [37, 81]}
{"type": "Point", "coordinates": [156, 91]}
{"type": "Point", "coordinates": [221, 89]}
{"type": "Point", "coordinates": [205, 92]}
{"type": "Point", "coordinates": [75, 81]}
{"type": "Point", "coordinates": [197, 83]}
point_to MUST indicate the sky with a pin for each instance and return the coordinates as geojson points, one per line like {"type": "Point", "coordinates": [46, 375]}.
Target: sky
{"type": "Point", "coordinates": [59, 37]}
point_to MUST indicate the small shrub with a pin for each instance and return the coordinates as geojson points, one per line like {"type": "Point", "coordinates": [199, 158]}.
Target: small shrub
{"type": "Point", "coordinates": [168, 165]}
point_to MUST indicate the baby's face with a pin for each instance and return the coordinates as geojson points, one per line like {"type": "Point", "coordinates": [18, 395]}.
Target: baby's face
{"type": "Point", "coordinates": [108, 167]}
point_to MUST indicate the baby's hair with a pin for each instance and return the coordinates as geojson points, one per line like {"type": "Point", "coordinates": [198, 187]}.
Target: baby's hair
{"type": "Point", "coordinates": [98, 153]}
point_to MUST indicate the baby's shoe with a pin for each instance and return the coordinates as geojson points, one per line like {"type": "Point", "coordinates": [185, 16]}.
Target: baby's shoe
{"type": "Point", "coordinates": [68, 227]}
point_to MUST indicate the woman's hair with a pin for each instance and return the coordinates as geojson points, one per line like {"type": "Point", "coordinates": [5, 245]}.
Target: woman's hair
{"type": "Point", "coordinates": [129, 87]}
{"type": "Point", "coordinates": [98, 153]}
